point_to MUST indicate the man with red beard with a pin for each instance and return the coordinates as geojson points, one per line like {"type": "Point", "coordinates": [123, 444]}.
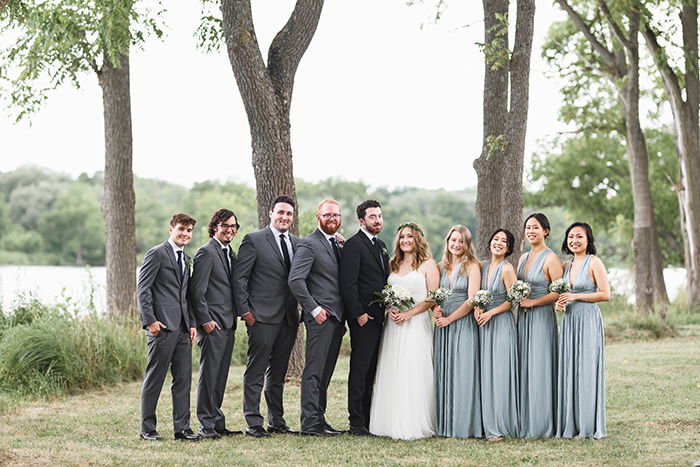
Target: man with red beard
{"type": "Point", "coordinates": [363, 272]}
{"type": "Point", "coordinates": [314, 281]}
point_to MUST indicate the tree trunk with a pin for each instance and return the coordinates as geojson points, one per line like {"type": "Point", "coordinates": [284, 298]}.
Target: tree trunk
{"type": "Point", "coordinates": [645, 241]}
{"type": "Point", "coordinates": [685, 119]}
{"type": "Point", "coordinates": [267, 94]}
{"type": "Point", "coordinates": [119, 199]}
{"type": "Point", "coordinates": [499, 168]}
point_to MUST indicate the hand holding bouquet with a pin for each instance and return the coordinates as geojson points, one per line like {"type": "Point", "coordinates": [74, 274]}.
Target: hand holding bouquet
{"type": "Point", "coordinates": [395, 296]}
{"type": "Point", "coordinates": [438, 296]}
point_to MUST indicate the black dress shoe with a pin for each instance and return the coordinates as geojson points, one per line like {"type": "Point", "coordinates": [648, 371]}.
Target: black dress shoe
{"type": "Point", "coordinates": [329, 428]}
{"type": "Point", "coordinates": [359, 431]}
{"type": "Point", "coordinates": [227, 432]}
{"type": "Point", "coordinates": [209, 433]}
{"type": "Point", "coordinates": [186, 435]}
{"type": "Point", "coordinates": [284, 429]}
{"type": "Point", "coordinates": [256, 432]}
{"type": "Point", "coordinates": [150, 436]}
{"type": "Point", "coordinates": [317, 430]}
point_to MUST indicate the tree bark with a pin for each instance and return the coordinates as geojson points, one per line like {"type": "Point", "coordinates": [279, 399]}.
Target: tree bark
{"type": "Point", "coordinates": [499, 168]}
{"type": "Point", "coordinates": [267, 94]}
{"type": "Point", "coordinates": [685, 119]}
{"type": "Point", "coordinates": [119, 199]}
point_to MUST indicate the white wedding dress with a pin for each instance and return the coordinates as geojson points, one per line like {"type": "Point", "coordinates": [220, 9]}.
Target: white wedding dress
{"type": "Point", "coordinates": [403, 399]}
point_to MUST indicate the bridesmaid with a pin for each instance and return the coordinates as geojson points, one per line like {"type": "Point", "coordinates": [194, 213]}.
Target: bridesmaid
{"type": "Point", "coordinates": [498, 341]}
{"type": "Point", "coordinates": [537, 333]}
{"type": "Point", "coordinates": [581, 401]}
{"type": "Point", "coordinates": [457, 374]}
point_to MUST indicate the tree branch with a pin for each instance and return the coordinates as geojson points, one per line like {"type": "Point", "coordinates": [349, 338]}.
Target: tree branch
{"type": "Point", "coordinates": [606, 55]}
{"type": "Point", "coordinates": [619, 33]}
{"type": "Point", "coordinates": [290, 44]}
{"type": "Point", "coordinates": [668, 76]}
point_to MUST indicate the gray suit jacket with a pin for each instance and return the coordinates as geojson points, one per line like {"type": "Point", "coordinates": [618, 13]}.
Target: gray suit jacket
{"type": "Point", "coordinates": [162, 290]}
{"type": "Point", "coordinates": [260, 279]}
{"type": "Point", "coordinates": [210, 290]}
{"type": "Point", "coordinates": [315, 276]}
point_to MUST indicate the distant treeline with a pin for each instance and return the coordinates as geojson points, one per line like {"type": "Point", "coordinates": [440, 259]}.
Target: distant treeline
{"type": "Point", "coordinates": [53, 219]}
{"type": "Point", "coordinates": [50, 218]}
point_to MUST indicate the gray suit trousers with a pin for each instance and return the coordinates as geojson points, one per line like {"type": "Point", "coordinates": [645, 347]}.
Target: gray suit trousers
{"type": "Point", "coordinates": [322, 348]}
{"type": "Point", "coordinates": [214, 362]}
{"type": "Point", "coordinates": [167, 350]}
{"type": "Point", "coordinates": [269, 348]}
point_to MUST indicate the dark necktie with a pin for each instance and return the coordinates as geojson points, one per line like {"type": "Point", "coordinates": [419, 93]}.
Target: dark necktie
{"type": "Point", "coordinates": [336, 250]}
{"type": "Point", "coordinates": [285, 252]}
{"type": "Point", "coordinates": [227, 261]}
{"type": "Point", "coordinates": [179, 263]}
{"type": "Point", "coordinates": [378, 251]}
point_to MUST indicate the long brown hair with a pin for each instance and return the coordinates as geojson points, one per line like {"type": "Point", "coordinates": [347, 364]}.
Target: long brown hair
{"type": "Point", "coordinates": [469, 256]}
{"type": "Point", "coordinates": [421, 253]}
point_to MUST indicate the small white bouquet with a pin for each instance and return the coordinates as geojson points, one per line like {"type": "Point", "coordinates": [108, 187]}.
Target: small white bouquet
{"type": "Point", "coordinates": [560, 286]}
{"type": "Point", "coordinates": [438, 296]}
{"type": "Point", "coordinates": [518, 291]}
{"type": "Point", "coordinates": [481, 299]}
{"type": "Point", "coordinates": [395, 296]}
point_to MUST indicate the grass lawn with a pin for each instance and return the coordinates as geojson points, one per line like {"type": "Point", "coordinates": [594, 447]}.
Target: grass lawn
{"type": "Point", "coordinates": [653, 418]}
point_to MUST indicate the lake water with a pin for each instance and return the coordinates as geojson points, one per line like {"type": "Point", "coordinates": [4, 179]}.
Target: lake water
{"type": "Point", "coordinates": [55, 283]}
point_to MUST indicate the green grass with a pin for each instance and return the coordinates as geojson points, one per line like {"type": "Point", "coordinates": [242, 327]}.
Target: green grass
{"type": "Point", "coordinates": [653, 414]}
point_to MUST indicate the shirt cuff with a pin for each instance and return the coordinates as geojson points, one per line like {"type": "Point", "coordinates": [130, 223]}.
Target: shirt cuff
{"type": "Point", "coordinates": [316, 311]}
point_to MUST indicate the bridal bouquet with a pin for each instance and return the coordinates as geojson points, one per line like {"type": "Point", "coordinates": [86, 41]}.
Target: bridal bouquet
{"type": "Point", "coordinates": [481, 299]}
{"type": "Point", "coordinates": [438, 296]}
{"type": "Point", "coordinates": [518, 291]}
{"type": "Point", "coordinates": [560, 286]}
{"type": "Point", "coordinates": [395, 296]}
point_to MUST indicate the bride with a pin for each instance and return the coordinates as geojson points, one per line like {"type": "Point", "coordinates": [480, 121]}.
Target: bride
{"type": "Point", "coordinates": [403, 399]}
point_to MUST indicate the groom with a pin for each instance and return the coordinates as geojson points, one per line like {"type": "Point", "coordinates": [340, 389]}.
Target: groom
{"type": "Point", "coordinates": [364, 268]}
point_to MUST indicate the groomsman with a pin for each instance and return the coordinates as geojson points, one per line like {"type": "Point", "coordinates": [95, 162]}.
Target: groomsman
{"type": "Point", "coordinates": [265, 303]}
{"type": "Point", "coordinates": [211, 295]}
{"type": "Point", "coordinates": [314, 280]}
{"type": "Point", "coordinates": [364, 269]}
{"type": "Point", "coordinates": [170, 327]}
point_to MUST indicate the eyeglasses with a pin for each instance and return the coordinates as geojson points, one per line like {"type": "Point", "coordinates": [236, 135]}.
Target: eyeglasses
{"type": "Point", "coordinates": [330, 216]}
{"type": "Point", "coordinates": [229, 227]}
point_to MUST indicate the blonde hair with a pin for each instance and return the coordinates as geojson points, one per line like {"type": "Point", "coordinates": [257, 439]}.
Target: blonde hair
{"type": "Point", "coordinates": [469, 255]}
{"type": "Point", "coordinates": [421, 253]}
{"type": "Point", "coordinates": [326, 201]}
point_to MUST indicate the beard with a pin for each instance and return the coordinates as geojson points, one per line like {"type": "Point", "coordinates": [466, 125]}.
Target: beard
{"type": "Point", "coordinates": [330, 228]}
{"type": "Point", "coordinates": [374, 229]}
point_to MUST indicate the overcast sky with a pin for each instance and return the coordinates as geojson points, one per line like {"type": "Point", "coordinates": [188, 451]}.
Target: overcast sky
{"type": "Point", "coordinates": [382, 95]}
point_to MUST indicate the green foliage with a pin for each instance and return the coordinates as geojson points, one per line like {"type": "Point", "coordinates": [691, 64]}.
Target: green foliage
{"type": "Point", "coordinates": [74, 227]}
{"type": "Point", "coordinates": [496, 52]}
{"type": "Point", "coordinates": [586, 171]}
{"type": "Point", "coordinates": [58, 41]}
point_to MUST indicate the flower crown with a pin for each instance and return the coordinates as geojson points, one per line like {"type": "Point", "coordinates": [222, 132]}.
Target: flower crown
{"type": "Point", "coordinates": [412, 225]}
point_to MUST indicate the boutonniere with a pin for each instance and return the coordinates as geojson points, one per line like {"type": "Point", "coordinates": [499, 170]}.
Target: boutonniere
{"type": "Point", "coordinates": [384, 251]}
{"type": "Point", "coordinates": [233, 254]}
{"type": "Point", "coordinates": [190, 265]}
{"type": "Point", "coordinates": [341, 245]}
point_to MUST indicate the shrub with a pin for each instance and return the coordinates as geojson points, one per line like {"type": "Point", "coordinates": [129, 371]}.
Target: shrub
{"type": "Point", "coordinates": [61, 353]}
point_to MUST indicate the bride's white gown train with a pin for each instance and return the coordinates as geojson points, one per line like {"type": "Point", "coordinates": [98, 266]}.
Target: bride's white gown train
{"type": "Point", "coordinates": [403, 399]}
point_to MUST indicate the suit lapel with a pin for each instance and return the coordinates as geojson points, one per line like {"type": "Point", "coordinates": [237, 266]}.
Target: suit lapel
{"type": "Point", "coordinates": [173, 261]}
{"type": "Point", "coordinates": [220, 251]}
{"type": "Point", "coordinates": [372, 250]}
{"type": "Point", "coordinates": [326, 244]}
{"type": "Point", "coordinates": [273, 244]}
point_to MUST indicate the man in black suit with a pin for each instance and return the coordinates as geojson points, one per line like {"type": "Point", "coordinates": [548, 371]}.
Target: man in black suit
{"type": "Point", "coordinates": [170, 325]}
{"type": "Point", "coordinates": [364, 269]}
{"type": "Point", "coordinates": [211, 295]}
{"type": "Point", "coordinates": [265, 303]}
{"type": "Point", "coordinates": [314, 280]}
